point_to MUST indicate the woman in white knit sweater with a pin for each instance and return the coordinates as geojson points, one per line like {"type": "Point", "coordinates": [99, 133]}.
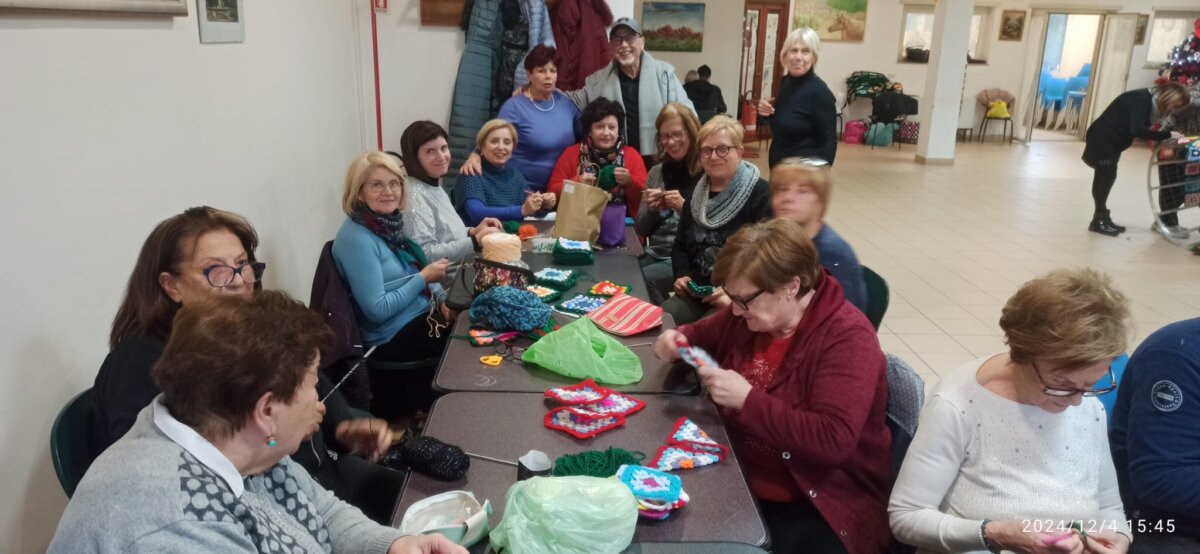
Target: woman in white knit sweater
{"type": "Point", "coordinates": [1013, 449]}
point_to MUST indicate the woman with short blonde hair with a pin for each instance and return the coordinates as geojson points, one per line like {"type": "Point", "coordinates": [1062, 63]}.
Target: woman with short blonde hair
{"type": "Point", "coordinates": [499, 191]}
{"type": "Point", "coordinates": [1019, 436]}
{"type": "Point", "coordinates": [800, 190]}
{"type": "Point", "coordinates": [803, 117]}
{"type": "Point", "coordinates": [801, 387]}
{"type": "Point", "coordinates": [356, 177]}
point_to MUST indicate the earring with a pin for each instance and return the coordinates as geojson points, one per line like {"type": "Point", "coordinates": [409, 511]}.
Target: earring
{"type": "Point", "coordinates": [271, 441]}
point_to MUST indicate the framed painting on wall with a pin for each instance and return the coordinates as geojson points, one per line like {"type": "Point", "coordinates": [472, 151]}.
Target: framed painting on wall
{"type": "Point", "coordinates": [833, 20]}
{"type": "Point", "coordinates": [673, 26]}
{"type": "Point", "coordinates": [1012, 25]}
{"type": "Point", "coordinates": [442, 13]}
{"type": "Point", "coordinates": [221, 21]}
{"type": "Point", "coordinates": [145, 7]}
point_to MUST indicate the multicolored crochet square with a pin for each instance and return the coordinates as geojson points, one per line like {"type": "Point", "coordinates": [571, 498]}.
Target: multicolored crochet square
{"type": "Point", "coordinates": [661, 510]}
{"type": "Point", "coordinates": [579, 424]}
{"type": "Point", "coordinates": [546, 294]}
{"type": "Point", "coordinates": [697, 357]}
{"type": "Point", "coordinates": [581, 304]}
{"type": "Point", "coordinates": [650, 484]}
{"type": "Point", "coordinates": [676, 457]}
{"type": "Point", "coordinates": [615, 403]}
{"type": "Point", "coordinates": [608, 288]}
{"type": "Point", "coordinates": [569, 245]}
{"type": "Point", "coordinates": [583, 393]}
{"type": "Point", "coordinates": [558, 279]}
{"type": "Point", "coordinates": [686, 432]}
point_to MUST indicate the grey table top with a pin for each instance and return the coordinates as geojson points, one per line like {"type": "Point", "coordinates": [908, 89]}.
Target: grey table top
{"type": "Point", "coordinates": [506, 425]}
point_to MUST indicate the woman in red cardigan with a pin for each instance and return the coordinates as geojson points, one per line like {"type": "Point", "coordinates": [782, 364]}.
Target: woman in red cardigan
{"type": "Point", "coordinates": [603, 146]}
{"type": "Point", "coordinates": [804, 395]}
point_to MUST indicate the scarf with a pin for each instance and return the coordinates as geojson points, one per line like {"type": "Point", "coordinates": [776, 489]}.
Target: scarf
{"type": "Point", "coordinates": [716, 212]}
{"type": "Point", "coordinates": [600, 163]}
{"type": "Point", "coordinates": [390, 228]}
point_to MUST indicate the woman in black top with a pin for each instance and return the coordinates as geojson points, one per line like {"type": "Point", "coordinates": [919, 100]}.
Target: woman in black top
{"type": "Point", "coordinates": [201, 253]}
{"type": "Point", "coordinates": [803, 117]}
{"type": "Point", "coordinates": [1129, 116]}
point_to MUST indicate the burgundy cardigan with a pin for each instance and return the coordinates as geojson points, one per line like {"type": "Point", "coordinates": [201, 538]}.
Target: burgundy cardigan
{"type": "Point", "coordinates": [825, 410]}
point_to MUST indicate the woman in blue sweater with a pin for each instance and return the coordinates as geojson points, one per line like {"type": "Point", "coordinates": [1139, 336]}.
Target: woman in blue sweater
{"type": "Point", "coordinates": [397, 293]}
{"type": "Point", "coordinates": [501, 191]}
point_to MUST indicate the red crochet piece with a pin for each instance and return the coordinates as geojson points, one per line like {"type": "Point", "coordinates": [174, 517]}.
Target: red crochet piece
{"type": "Point", "coordinates": [581, 425]}
{"type": "Point", "coordinates": [585, 392]}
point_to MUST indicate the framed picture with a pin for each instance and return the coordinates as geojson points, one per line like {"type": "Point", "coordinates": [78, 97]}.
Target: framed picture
{"type": "Point", "coordinates": [1012, 25]}
{"type": "Point", "coordinates": [1139, 32]}
{"type": "Point", "coordinates": [833, 20]}
{"type": "Point", "coordinates": [146, 7]}
{"type": "Point", "coordinates": [221, 21]}
{"type": "Point", "coordinates": [442, 13]}
{"type": "Point", "coordinates": [673, 26]}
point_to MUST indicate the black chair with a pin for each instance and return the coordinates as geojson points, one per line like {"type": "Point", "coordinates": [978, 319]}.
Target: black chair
{"type": "Point", "coordinates": [1006, 129]}
{"type": "Point", "coordinates": [70, 447]}
{"type": "Point", "coordinates": [877, 296]}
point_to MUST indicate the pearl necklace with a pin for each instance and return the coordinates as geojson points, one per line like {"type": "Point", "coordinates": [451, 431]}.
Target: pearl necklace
{"type": "Point", "coordinates": [539, 108]}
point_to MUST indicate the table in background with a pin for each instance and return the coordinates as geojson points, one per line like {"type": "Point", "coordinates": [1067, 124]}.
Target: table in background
{"type": "Point", "coordinates": [721, 508]}
{"type": "Point", "coordinates": [632, 246]}
{"type": "Point", "coordinates": [662, 548]}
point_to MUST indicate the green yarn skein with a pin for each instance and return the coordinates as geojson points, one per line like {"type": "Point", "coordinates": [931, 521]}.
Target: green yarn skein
{"type": "Point", "coordinates": [606, 179]}
{"type": "Point", "coordinates": [595, 463]}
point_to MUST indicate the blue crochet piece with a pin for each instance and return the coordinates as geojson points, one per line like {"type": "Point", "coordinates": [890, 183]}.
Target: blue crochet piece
{"type": "Point", "coordinates": [509, 309]}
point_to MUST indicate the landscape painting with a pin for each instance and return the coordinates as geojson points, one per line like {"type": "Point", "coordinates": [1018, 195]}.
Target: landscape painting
{"type": "Point", "coordinates": [833, 20]}
{"type": "Point", "coordinates": [673, 26]}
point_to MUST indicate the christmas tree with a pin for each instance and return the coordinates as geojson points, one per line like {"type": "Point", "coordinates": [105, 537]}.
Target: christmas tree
{"type": "Point", "coordinates": [1183, 64]}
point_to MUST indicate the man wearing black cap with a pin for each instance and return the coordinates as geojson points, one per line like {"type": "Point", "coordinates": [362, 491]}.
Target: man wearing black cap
{"type": "Point", "coordinates": [640, 83]}
{"type": "Point", "coordinates": [704, 95]}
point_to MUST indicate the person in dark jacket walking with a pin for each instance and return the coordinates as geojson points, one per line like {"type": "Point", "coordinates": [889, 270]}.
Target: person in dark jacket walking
{"type": "Point", "coordinates": [1129, 116]}
{"type": "Point", "coordinates": [803, 117]}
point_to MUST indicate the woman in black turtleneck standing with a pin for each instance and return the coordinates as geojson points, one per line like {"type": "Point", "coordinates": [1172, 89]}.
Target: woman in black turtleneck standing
{"type": "Point", "coordinates": [803, 117]}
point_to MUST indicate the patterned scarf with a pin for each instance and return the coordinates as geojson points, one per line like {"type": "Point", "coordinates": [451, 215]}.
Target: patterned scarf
{"type": "Point", "coordinates": [390, 228]}
{"type": "Point", "coordinates": [716, 212]}
{"type": "Point", "coordinates": [600, 164]}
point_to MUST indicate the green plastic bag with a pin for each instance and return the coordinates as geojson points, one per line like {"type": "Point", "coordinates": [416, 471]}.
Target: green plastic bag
{"type": "Point", "coordinates": [581, 350]}
{"type": "Point", "coordinates": [566, 515]}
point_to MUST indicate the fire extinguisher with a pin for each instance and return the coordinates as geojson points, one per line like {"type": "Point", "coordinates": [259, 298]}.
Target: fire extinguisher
{"type": "Point", "coordinates": [749, 112]}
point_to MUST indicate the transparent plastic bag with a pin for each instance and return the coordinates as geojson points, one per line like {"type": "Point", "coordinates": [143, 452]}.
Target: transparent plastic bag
{"type": "Point", "coordinates": [581, 350]}
{"type": "Point", "coordinates": [566, 515]}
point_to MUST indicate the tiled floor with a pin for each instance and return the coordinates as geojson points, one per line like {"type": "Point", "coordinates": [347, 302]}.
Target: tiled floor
{"type": "Point", "coordinates": [954, 242]}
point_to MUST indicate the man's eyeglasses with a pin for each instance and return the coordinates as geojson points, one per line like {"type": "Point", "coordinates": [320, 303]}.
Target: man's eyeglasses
{"type": "Point", "coordinates": [721, 151]}
{"type": "Point", "coordinates": [1062, 393]}
{"type": "Point", "coordinates": [221, 275]}
{"type": "Point", "coordinates": [744, 303]}
{"type": "Point", "coordinates": [616, 40]}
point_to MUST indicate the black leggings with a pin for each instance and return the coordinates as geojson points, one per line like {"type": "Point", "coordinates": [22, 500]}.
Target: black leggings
{"type": "Point", "coordinates": [799, 528]}
{"type": "Point", "coordinates": [1102, 184]}
{"type": "Point", "coordinates": [396, 393]}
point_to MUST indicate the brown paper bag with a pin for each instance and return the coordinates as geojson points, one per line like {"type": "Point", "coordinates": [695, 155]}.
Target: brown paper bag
{"type": "Point", "coordinates": [579, 212]}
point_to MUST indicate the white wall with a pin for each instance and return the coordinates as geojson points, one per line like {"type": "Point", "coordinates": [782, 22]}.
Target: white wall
{"type": "Point", "coordinates": [112, 123]}
{"type": "Point", "coordinates": [722, 49]}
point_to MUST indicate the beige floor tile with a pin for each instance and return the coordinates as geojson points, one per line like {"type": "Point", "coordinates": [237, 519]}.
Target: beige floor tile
{"type": "Point", "coordinates": [969, 327]}
{"type": "Point", "coordinates": [981, 345]}
{"type": "Point", "coordinates": [913, 325]}
{"type": "Point", "coordinates": [933, 344]}
{"type": "Point", "coordinates": [944, 363]}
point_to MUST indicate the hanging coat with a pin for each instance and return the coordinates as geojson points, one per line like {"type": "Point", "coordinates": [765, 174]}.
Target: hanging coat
{"type": "Point", "coordinates": [471, 105]}
{"type": "Point", "coordinates": [581, 32]}
{"type": "Point", "coordinates": [540, 32]}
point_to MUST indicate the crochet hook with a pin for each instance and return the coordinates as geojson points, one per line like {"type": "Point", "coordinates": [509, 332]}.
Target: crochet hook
{"type": "Point", "coordinates": [491, 459]}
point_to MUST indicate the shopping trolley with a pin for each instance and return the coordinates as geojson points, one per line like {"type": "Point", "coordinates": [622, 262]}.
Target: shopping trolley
{"type": "Point", "coordinates": [1173, 185]}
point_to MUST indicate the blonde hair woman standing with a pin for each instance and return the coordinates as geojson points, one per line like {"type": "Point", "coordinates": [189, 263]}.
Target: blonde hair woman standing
{"type": "Point", "coordinates": [803, 117]}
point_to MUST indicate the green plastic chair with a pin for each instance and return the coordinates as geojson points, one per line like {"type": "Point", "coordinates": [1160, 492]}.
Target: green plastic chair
{"type": "Point", "coordinates": [69, 445]}
{"type": "Point", "coordinates": [877, 296]}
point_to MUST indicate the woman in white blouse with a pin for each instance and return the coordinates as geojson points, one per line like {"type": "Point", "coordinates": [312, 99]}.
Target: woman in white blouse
{"type": "Point", "coordinates": [429, 216]}
{"type": "Point", "coordinates": [1013, 449]}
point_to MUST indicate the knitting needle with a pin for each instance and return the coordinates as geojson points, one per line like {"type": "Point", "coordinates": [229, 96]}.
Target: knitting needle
{"type": "Point", "coordinates": [639, 344]}
{"type": "Point", "coordinates": [490, 459]}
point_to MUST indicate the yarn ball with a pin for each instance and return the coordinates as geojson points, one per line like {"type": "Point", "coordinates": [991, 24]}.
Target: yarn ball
{"type": "Point", "coordinates": [596, 463]}
{"type": "Point", "coordinates": [501, 247]}
{"type": "Point", "coordinates": [429, 456]}
{"type": "Point", "coordinates": [509, 309]}
{"type": "Point", "coordinates": [527, 231]}
{"type": "Point", "coordinates": [606, 179]}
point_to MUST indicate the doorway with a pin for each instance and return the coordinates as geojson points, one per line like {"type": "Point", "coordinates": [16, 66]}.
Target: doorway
{"type": "Point", "coordinates": [765, 27]}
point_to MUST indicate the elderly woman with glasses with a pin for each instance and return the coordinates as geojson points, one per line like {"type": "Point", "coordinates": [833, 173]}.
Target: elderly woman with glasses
{"type": "Point", "coordinates": [730, 195]}
{"type": "Point", "coordinates": [1013, 448]}
{"type": "Point", "coordinates": [801, 386]}
{"type": "Point", "coordinates": [206, 466]}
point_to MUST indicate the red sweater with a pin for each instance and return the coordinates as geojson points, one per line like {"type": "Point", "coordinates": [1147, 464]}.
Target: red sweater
{"type": "Point", "coordinates": [568, 168]}
{"type": "Point", "coordinates": [824, 410]}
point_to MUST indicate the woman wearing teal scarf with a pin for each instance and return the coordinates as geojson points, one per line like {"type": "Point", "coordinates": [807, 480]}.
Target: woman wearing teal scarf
{"type": "Point", "coordinates": [731, 194]}
{"type": "Point", "coordinates": [397, 293]}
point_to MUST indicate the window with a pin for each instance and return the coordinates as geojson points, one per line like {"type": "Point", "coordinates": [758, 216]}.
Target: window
{"type": "Point", "coordinates": [918, 32]}
{"type": "Point", "coordinates": [1167, 30]}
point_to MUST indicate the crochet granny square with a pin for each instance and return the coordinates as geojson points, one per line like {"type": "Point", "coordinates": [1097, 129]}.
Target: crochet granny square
{"type": "Point", "coordinates": [581, 304]}
{"type": "Point", "coordinates": [579, 424]}
{"type": "Point", "coordinates": [582, 393]}
{"type": "Point", "coordinates": [558, 279]}
{"type": "Point", "coordinates": [615, 403]}
{"type": "Point", "coordinates": [650, 484]}
{"type": "Point", "coordinates": [608, 288]}
{"type": "Point", "coordinates": [687, 433]}
{"type": "Point", "coordinates": [676, 457]}
{"type": "Point", "coordinates": [546, 294]}
{"type": "Point", "coordinates": [697, 357]}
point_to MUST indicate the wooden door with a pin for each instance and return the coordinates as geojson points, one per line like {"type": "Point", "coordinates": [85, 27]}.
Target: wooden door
{"type": "Point", "coordinates": [765, 27]}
